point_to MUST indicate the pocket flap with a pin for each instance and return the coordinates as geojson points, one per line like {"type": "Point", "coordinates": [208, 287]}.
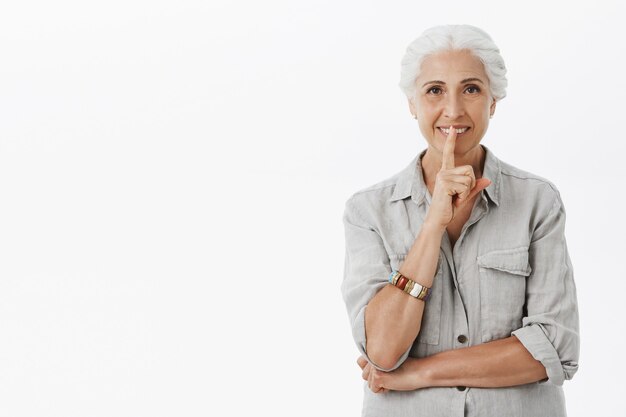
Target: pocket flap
{"type": "Point", "coordinates": [514, 261]}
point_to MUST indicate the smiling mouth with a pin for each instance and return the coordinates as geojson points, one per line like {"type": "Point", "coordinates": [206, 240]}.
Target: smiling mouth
{"type": "Point", "coordinates": [459, 132]}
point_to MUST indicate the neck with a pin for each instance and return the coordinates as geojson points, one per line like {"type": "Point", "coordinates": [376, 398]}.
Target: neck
{"type": "Point", "coordinates": [432, 159]}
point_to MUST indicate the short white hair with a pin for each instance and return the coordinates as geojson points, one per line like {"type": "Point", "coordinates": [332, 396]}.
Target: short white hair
{"type": "Point", "coordinates": [448, 38]}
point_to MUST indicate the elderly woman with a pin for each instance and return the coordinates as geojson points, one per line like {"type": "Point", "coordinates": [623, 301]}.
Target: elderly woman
{"type": "Point", "coordinates": [458, 282]}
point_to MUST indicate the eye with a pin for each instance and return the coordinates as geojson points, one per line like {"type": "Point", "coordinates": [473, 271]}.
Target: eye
{"type": "Point", "coordinates": [435, 90]}
{"type": "Point", "coordinates": [473, 87]}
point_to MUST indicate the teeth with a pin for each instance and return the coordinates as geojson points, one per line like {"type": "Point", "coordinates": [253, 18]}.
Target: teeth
{"type": "Point", "coordinates": [459, 131]}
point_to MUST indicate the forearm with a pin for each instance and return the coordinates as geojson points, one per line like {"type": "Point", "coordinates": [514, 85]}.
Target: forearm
{"type": "Point", "coordinates": [500, 363]}
{"type": "Point", "coordinates": [393, 318]}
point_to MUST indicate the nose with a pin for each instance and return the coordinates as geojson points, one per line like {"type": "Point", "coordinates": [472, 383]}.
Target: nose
{"type": "Point", "coordinates": [453, 107]}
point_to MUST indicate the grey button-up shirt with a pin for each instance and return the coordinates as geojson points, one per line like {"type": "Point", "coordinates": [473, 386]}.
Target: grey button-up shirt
{"type": "Point", "coordinates": [509, 274]}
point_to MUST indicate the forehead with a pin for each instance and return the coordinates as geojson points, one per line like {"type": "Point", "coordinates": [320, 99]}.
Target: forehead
{"type": "Point", "coordinates": [451, 65]}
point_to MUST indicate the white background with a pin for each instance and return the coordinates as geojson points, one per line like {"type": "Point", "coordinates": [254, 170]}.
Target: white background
{"type": "Point", "coordinates": [173, 176]}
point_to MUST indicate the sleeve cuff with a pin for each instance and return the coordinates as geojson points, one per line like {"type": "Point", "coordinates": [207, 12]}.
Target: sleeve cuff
{"type": "Point", "coordinates": [535, 341]}
{"type": "Point", "coordinates": [358, 332]}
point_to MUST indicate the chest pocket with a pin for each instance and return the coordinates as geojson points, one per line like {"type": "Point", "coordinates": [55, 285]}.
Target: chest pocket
{"type": "Point", "coordinates": [502, 275]}
{"type": "Point", "coordinates": [431, 319]}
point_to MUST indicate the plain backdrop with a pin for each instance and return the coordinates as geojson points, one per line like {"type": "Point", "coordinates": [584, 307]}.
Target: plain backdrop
{"type": "Point", "coordinates": [173, 176]}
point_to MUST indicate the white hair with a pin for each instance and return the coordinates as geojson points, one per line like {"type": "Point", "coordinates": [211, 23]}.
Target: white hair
{"type": "Point", "coordinates": [448, 38]}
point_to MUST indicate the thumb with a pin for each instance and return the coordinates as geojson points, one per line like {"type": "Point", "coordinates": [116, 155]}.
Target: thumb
{"type": "Point", "coordinates": [481, 184]}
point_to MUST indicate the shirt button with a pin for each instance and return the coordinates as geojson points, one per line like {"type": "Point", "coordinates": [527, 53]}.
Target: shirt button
{"type": "Point", "coordinates": [461, 388]}
{"type": "Point", "coordinates": [462, 338]}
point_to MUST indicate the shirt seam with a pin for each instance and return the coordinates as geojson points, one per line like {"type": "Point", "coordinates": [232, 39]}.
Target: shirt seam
{"type": "Point", "coordinates": [368, 189]}
{"type": "Point", "coordinates": [541, 180]}
{"type": "Point", "coordinates": [359, 215]}
{"type": "Point", "coordinates": [555, 203]}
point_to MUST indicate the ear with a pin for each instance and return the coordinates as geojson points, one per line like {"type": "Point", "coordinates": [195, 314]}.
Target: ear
{"type": "Point", "coordinates": [412, 106]}
{"type": "Point", "coordinates": [492, 108]}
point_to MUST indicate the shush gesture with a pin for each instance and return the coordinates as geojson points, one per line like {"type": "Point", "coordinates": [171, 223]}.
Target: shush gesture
{"type": "Point", "coordinates": [454, 186]}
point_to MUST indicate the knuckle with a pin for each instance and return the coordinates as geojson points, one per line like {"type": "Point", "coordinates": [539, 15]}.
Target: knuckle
{"type": "Point", "coordinates": [377, 378]}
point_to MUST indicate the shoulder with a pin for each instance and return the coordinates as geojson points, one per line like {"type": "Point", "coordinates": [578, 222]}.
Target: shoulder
{"type": "Point", "coordinates": [373, 199]}
{"type": "Point", "coordinates": [523, 188]}
{"type": "Point", "coordinates": [524, 181]}
{"type": "Point", "coordinates": [379, 190]}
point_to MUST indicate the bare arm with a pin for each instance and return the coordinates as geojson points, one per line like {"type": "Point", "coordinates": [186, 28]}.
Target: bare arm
{"type": "Point", "coordinates": [499, 363]}
{"type": "Point", "coordinates": [393, 318]}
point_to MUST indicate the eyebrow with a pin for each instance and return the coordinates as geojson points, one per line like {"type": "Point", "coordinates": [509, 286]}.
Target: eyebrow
{"type": "Point", "coordinates": [465, 81]}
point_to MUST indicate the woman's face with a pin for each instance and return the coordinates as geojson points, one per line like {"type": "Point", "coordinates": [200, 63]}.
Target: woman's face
{"type": "Point", "coordinates": [453, 90]}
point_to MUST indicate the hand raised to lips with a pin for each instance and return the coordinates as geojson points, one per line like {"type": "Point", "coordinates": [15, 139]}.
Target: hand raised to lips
{"type": "Point", "coordinates": [447, 163]}
{"type": "Point", "coordinates": [454, 186]}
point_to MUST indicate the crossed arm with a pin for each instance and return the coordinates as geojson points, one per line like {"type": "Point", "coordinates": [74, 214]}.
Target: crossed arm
{"type": "Point", "coordinates": [499, 363]}
{"type": "Point", "coordinates": [549, 332]}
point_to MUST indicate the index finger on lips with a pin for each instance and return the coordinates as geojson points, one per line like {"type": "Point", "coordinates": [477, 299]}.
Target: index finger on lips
{"type": "Point", "coordinates": [448, 150]}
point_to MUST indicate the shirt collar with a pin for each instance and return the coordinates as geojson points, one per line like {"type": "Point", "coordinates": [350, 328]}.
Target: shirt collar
{"type": "Point", "coordinates": [411, 180]}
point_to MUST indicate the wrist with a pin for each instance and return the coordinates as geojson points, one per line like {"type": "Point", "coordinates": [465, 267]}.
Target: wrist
{"type": "Point", "coordinates": [427, 374]}
{"type": "Point", "coordinates": [431, 227]}
{"type": "Point", "coordinates": [420, 373]}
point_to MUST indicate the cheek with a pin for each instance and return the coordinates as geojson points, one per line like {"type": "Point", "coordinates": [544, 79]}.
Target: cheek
{"type": "Point", "coordinates": [427, 117]}
{"type": "Point", "coordinates": [427, 108]}
{"type": "Point", "coordinates": [426, 126]}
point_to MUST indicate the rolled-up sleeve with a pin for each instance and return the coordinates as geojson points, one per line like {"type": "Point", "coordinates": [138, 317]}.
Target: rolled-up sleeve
{"type": "Point", "coordinates": [366, 270]}
{"type": "Point", "coordinates": [550, 331]}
